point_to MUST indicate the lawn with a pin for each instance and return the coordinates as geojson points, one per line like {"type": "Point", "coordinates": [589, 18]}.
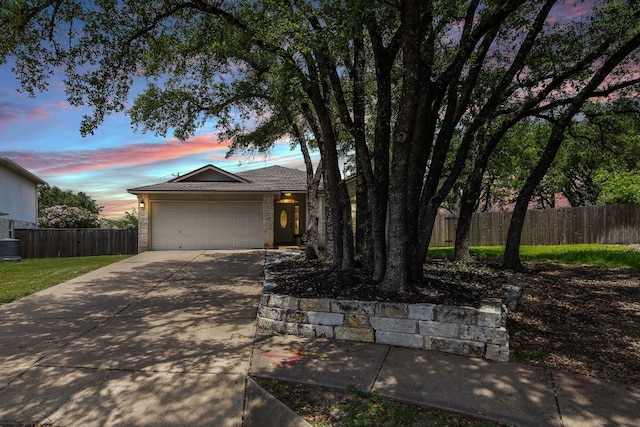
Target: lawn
{"type": "Point", "coordinates": [588, 254]}
{"type": "Point", "coordinates": [19, 279]}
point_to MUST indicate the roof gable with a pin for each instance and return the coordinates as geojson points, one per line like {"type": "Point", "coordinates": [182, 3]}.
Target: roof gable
{"type": "Point", "coordinates": [212, 179]}
{"type": "Point", "coordinates": [209, 173]}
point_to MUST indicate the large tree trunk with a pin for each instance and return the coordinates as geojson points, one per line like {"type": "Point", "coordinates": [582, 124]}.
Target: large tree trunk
{"type": "Point", "coordinates": [512, 249]}
{"type": "Point", "coordinates": [364, 235]}
{"type": "Point", "coordinates": [312, 247]}
{"type": "Point", "coordinates": [348, 250]}
{"type": "Point", "coordinates": [337, 206]}
{"type": "Point", "coordinates": [469, 199]}
{"type": "Point", "coordinates": [313, 184]}
{"type": "Point", "coordinates": [397, 269]}
{"type": "Point", "coordinates": [378, 180]}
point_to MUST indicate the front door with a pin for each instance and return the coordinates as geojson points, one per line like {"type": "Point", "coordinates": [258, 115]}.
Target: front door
{"type": "Point", "coordinates": [285, 223]}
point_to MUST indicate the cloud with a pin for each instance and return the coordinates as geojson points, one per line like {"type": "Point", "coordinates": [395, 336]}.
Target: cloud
{"type": "Point", "coordinates": [54, 163]}
{"type": "Point", "coordinates": [11, 112]}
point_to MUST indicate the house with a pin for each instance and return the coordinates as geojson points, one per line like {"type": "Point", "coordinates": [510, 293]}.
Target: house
{"type": "Point", "coordinates": [210, 208]}
{"type": "Point", "coordinates": [18, 198]}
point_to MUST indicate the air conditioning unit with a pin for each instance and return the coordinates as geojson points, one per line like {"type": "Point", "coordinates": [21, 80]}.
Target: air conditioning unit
{"type": "Point", "coordinates": [10, 250]}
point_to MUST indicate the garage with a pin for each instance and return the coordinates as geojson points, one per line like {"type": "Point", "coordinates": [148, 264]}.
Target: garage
{"type": "Point", "coordinates": [206, 225]}
{"type": "Point", "coordinates": [210, 208]}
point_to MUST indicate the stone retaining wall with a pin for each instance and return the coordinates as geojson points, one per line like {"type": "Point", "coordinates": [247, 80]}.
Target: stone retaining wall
{"type": "Point", "coordinates": [461, 330]}
{"type": "Point", "coordinates": [474, 332]}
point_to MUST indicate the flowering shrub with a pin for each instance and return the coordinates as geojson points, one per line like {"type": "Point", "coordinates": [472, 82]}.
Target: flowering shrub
{"type": "Point", "coordinates": [68, 217]}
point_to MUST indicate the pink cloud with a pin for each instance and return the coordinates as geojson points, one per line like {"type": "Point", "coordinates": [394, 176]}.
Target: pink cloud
{"type": "Point", "coordinates": [54, 163]}
{"type": "Point", "coordinates": [11, 112]}
{"type": "Point", "coordinates": [38, 113]}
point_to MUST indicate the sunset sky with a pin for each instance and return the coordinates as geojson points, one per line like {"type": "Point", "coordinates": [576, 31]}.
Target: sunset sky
{"type": "Point", "coordinates": [42, 135]}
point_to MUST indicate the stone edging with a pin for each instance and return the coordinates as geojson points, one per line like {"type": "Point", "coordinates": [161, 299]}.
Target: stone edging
{"type": "Point", "coordinates": [475, 332]}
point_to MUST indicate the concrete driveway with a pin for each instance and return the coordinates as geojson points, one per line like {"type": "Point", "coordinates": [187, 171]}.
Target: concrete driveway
{"type": "Point", "coordinates": [162, 338]}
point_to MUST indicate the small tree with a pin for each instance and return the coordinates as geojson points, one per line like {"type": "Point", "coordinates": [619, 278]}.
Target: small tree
{"type": "Point", "coordinates": [128, 222]}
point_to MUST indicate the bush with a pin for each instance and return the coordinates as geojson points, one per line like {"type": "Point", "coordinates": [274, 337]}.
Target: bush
{"type": "Point", "coordinates": [60, 216]}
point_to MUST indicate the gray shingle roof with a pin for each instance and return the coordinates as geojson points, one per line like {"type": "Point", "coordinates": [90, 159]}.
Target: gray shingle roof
{"type": "Point", "coordinates": [263, 180]}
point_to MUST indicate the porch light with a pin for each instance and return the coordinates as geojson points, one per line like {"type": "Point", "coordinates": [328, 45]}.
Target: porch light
{"type": "Point", "coordinates": [286, 198]}
{"type": "Point", "coordinates": [141, 203]}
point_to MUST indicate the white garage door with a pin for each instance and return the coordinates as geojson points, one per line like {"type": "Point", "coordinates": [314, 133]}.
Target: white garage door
{"type": "Point", "coordinates": [210, 225]}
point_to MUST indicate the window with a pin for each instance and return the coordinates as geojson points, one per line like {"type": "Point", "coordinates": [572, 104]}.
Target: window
{"type": "Point", "coordinates": [296, 219]}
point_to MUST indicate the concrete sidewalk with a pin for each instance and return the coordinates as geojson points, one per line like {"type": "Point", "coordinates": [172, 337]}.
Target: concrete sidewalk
{"type": "Point", "coordinates": [163, 338]}
{"type": "Point", "coordinates": [168, 338]}
{"type": "Point", "coordinates": [510, 393]}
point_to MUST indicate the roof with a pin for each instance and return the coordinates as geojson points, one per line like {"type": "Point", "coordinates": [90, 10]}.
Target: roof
{"type": "Point", "coordinates": [211, 179]}
{"type": "Point", "coordinates": [19, 170]}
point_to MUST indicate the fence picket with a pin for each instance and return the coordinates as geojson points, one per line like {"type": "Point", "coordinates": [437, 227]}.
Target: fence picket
{"type": "Point", "coordinates": [71, 242]}
{"type": "Point", "coordinates": [611, 224]}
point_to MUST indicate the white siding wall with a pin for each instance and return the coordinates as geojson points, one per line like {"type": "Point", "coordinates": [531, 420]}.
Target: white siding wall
{"type": "Point", "coordinates": [18, 197]}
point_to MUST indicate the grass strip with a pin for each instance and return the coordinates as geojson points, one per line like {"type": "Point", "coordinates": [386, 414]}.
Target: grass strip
{"type": "Point", "coordinates": [19, 279]}
{"type": "Point", "coordinates": [586, 254]}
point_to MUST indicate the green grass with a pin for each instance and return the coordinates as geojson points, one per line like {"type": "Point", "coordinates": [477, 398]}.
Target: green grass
{"type": "Point", "coordinates": [325, 407]}
{"type": "Point", "coordinates": [364, 410]}
{"type": "Point", "coordinates": [591, 254]}
{"type": "Point", "coordinates": [19, 279]}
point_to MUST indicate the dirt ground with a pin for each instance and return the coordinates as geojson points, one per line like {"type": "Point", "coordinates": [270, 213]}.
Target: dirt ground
{"type": "Point", "coordinates": [583, 319]}
{"type": "Point", "coordinates": [579, 318]}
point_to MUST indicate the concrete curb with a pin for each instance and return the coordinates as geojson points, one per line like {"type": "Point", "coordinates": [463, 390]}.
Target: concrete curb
{"type": "Point", "coordinates": [262, 409]}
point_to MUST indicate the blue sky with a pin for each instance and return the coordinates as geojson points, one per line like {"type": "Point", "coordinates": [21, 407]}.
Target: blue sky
{"type": "Point", "coordinates": [42, 135]}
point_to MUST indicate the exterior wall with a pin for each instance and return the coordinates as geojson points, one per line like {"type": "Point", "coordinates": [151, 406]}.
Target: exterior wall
{"type": "Point", "coordinates": [18, 198]}
{"type": "Point", "coordinates": [268, 220]}
{"type": "Point", "coordinates": [143, 228]}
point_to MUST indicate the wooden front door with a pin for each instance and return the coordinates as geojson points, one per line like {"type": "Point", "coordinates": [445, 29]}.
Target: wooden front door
{"type": "Point", "coordinates": [285, 222]}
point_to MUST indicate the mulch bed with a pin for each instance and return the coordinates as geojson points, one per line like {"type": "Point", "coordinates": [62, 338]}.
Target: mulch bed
{"type": "Point", "coordinates": [447, 283]}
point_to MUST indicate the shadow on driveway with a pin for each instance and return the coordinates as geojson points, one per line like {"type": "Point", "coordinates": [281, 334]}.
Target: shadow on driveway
{"type": "Point", "coordinates": [160, 338]}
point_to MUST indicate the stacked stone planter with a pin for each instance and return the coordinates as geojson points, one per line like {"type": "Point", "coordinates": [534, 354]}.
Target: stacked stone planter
{"type": "Point", "coordinates": [467, 331]}
{"type": "Point", "coordinates": [474, 332]}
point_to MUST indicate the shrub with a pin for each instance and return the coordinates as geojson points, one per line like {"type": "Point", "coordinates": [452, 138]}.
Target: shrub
{"type": "Point", "coordinates": [60, 216]}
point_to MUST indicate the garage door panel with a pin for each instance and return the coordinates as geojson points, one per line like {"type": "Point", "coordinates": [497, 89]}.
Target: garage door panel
{"type": "Point", "coordinates": [211, 225]}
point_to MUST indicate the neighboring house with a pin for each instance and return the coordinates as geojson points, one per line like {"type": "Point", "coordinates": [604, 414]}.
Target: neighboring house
{"type": "Point", "coordinates": [211, 208]}
{"type": "Point", "coordinates": [18, 198]}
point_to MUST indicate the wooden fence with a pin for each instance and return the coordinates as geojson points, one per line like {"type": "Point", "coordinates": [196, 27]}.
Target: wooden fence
{"type": "Point", "coordinates": [611, 224]}
{"type": "Point", "coordinates": [66, 242]}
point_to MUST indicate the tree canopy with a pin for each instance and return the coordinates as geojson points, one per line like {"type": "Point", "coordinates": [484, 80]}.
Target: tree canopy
{"type": "Point", "coordinates": [421, 91]}
{"type": "Point", "coordinates": [53, 196]}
